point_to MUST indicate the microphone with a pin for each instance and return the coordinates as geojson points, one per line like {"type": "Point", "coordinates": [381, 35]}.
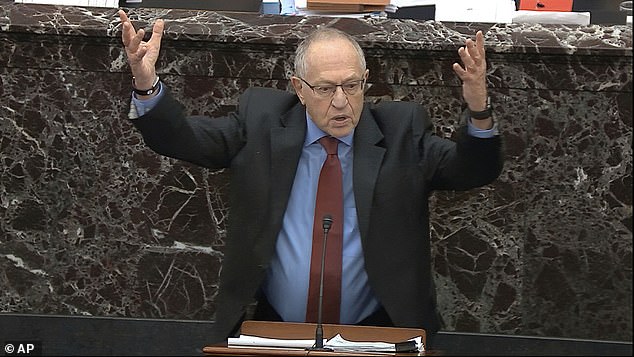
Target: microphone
{"type": "Point", "coordinates": [326, 223]}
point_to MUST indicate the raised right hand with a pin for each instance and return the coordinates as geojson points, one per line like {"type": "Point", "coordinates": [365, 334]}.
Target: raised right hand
{"type": "Point", "coordinates": [141, 55]}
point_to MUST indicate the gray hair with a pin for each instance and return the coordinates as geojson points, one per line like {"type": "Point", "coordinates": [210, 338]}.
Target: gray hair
{"type": "Point", "coordinates": [323, 33]}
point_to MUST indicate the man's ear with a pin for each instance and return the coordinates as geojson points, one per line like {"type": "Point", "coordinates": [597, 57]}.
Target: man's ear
{"type": "Point", "coordinates": [297, 85]}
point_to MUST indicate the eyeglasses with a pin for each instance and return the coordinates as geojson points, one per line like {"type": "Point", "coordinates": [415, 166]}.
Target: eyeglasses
{"type": "Point", "coordinates": [328, 90]}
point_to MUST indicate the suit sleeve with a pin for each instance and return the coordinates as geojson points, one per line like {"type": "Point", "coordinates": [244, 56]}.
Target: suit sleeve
{"type": "Point", "coordinates": [205, 141]}
{"type": "Point", "coordinates": [461, 163]}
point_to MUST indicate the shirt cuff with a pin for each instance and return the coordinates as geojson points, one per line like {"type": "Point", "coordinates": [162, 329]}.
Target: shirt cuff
{"type": "Point", "coordinates": [139, 107]}
{"type": "Point", "coordinates": [482, 133]}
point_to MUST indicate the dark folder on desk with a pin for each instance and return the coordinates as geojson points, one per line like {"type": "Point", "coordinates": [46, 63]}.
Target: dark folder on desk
{"type": "Point", "coordinates": [214, 5]}
{"type": "Point", "coordinates": [423, 12]}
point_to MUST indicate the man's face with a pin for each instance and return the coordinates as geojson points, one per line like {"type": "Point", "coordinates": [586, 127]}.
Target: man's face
{"type": "Point", "coordinates": [329, 63]}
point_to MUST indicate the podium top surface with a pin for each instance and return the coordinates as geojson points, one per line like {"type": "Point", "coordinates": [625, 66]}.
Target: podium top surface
{"type": "Point", "coordinates": [304, 331]}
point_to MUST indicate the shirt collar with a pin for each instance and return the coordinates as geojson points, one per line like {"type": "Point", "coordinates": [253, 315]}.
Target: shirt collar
{"type": "Point", "coordinates": [313, 133]}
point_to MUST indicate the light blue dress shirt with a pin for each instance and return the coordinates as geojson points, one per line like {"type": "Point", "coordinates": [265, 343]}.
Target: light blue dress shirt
{"type": "Point", "coordinates": [286, 287]}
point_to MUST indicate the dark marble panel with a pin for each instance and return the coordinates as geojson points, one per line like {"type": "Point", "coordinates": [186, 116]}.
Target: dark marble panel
{"type": "Point", "coordinates": [99, 224]}
{"type": "Point", "coordinates": [478, 236]}
{"type": "Point", "coordinates": [578, 256]}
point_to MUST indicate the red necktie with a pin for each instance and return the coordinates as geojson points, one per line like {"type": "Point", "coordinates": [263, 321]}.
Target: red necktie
{"type": "Point", "coordinates": [329, 202]}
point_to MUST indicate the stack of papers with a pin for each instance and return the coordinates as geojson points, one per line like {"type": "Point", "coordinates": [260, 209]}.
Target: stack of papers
{"type": "Point", "coordinates": [302, 9]}
{"type": "Point", "coordinates": [254, 341]}
{"type": "Point", "coordinates": [552, 17]}
{"type": "Point", "coordinates": [337, 344]}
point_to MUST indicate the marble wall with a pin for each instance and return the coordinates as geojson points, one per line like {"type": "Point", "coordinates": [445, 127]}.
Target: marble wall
{"type": "Point", "coordinates": [94, 223]}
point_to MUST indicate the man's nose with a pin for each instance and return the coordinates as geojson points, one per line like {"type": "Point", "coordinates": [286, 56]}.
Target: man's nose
{"type": "Point", "coordinates": [339, 99]}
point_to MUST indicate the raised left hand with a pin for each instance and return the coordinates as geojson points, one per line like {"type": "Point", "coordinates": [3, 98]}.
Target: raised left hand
{"type": "Point", "coordinates": [473, 74]}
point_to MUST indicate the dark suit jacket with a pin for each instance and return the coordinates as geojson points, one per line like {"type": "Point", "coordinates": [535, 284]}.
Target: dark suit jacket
{"type": "Point", "coordinates": [397, 163]}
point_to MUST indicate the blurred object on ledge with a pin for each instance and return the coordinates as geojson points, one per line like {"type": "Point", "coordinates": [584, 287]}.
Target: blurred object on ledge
{"type": "Point", "coordinates": [347, 5]}
{"type": "Point", "coordinates": [214, 5]}
{"type": "Point", "coordinates": [626, 8]}
{"type": "Point", "coordinates": [492, 11]}
{"type": "Point", "coordinates": [546, 5]}
{"type": "Point", "coordinates": [271, 7]}
{"type": "Point", "coordinates": [83, 3]}
{"type": "Point", "coordinates": [552, 17]}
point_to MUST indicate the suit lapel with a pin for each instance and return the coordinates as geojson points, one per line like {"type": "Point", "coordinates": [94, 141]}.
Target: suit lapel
{"type": "Point", "coordinates": [286, 148]}
{"type": "Point", "coordinates": [367, 163]}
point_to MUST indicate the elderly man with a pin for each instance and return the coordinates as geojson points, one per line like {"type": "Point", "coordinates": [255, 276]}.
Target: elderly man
{"type": "Point", "coordinates": [321, 163]}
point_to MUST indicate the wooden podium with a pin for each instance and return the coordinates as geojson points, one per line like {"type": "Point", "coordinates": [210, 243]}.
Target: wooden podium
{"type": "Point", "coordinates": [306, 331]}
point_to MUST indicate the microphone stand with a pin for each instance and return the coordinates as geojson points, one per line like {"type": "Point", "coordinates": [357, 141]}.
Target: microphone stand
{"type": "Point", "coordinates": [319, 330]}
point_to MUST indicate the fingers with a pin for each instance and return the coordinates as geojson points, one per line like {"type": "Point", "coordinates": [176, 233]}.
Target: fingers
{"type": "Point", "coordinates": [127, 30]}
{"type": "Point", "coordinates": [476, 49]}
{"type": "Point", "coordinates": [130, 38]}
{"type": "Point", "coordinates": [123, 16]}
{"type": "Point", "coordinates": [133, 40]}
{"type": "Point", "coordinates": [459, 71]}
{"type": "Point", "coordinates": [467, 62]}
{"type": "Point", "coordinates": [157, 34]}
{"type": "Point", "coordinates": [472, 56]}
{"type": "Point", "coordinates": [465, 54]}
{"type": "Point", "coordinates": [472, 53]}
{"type": "Point", "coordinates": [480, 42]}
